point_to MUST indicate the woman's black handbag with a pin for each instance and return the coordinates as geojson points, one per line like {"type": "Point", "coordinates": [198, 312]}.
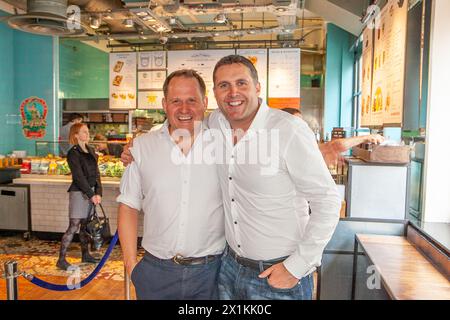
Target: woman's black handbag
{"type": "Point", "coordinates": [98, 228]}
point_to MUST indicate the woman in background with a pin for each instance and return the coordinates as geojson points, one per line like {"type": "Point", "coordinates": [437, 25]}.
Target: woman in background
{"type": "Point", "coordinates": [84, 192]}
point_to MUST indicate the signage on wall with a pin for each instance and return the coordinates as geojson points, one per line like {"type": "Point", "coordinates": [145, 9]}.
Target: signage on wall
{"type": "Point", "coordinates": [384, 67]}
{"type": "Point", "coordinates": [122, 80]}
{"type": "Point", "coordinates": [284, 78]}
{"type": "Point", "coordinates": [152, 73]}
{"type": "Point", "coordinates": [33, 111]}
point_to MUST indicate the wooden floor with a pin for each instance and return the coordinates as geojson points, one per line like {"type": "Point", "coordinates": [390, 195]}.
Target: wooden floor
{"type": "Point", "coordinates": [95, 290]}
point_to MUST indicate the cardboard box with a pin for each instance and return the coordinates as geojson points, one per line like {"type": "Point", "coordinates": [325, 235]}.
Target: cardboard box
{"type": "Point", "coordinates": [383, 154]}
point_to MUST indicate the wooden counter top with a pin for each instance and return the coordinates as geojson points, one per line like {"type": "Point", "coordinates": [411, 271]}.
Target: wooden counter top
{"type": "Point", "coordinates": [405, 272]}
{"type": "Point", "coordinates": [59, 179]}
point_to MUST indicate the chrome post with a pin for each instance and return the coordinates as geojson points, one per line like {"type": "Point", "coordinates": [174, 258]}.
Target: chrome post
{"type": "Point", "coordinates": [127, 284]}
{"type": "Point", "coordinates": [11, 280]}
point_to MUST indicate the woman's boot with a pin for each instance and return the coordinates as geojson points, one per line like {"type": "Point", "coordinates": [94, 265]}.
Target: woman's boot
{"type": "Point", "coordinates": [84, 240]}
{"type": "Point", "coordinates": [62, 262]}
{"type": "Point", "coordinates": [65, 243]}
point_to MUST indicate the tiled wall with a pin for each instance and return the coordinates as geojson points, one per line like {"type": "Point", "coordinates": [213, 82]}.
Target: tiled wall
{"type": "Point", "coordinates": [83, 71]}
{"type": "Point", "coordinates": [50, 207]}
{"type": "Point", "coordinates": [33, 76]}
{"type": "Point", "coordinates": [26, 69]}
{"type": "Point", "coordinates": [338, 78]}
{"type": "Point", "coordinates": [6, 88]}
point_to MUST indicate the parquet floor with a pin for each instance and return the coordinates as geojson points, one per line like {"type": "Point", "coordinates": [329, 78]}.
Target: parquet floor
{"type": "Point", "coordinates": [97, 289]}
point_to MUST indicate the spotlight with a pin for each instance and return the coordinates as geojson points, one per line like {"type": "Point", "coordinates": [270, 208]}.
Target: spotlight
{"type": "Point", "coordinates": [220, 18]}
{"type": "Point", "coordinates": [95, 22]}
{"type": "Point", "coordinates": [129, 23]}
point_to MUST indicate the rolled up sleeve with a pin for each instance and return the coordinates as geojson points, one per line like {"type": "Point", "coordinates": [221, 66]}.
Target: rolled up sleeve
{"type": "Point", "coordinates": [130, 187]}
{"type": "Point", "coordinates": [314, 183]}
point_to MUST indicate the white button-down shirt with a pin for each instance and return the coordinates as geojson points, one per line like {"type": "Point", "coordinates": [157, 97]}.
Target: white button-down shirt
{"type": "Point", "coordinates": [180, 198]}
{"type": "Point", "coordinates": [267, 179]}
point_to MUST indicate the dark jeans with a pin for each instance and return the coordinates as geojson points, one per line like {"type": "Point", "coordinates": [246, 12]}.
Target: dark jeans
{"type": "Point", "coordinates": [237, 282]}
{"type": "Point", "coordinates": [157, 279]}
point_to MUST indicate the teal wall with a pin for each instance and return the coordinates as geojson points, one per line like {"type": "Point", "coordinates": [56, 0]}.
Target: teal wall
{"type": "Point", "coordinates": [33, 76]}
{"type": "Point", "coordinates": [338, 79]}
{"type": "Point", "coordinates": [26, 69]}
{"type": "Point", "coordinates": [84, 71]}
{"type": "Point", "coordinates": [7, 107]}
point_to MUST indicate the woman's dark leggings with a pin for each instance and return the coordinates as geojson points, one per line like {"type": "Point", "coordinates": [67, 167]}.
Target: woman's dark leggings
{"type": "Point", "coordinates": [68, 236]}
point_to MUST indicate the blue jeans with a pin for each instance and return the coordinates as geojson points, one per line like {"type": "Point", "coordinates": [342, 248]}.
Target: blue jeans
{"type": "Point", "coordinates": [157, 279]}
{"type": "Point", "coordinates": [237, 282]}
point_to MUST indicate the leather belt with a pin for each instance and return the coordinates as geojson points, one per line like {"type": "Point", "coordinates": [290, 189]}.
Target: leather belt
{"type": "Point", "coordinates": [188, 261]}
{"type": "Point", "coordinates": [253, 264]}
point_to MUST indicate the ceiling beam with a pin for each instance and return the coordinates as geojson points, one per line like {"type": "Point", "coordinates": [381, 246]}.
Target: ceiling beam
{"type": "Point", "coordinates": [335, 14]}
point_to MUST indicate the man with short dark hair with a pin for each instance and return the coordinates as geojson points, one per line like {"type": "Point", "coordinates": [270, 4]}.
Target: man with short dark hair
{"type": "Point", "coordinates": [274, 245]}
{"type": "Point", "coordinates": [180, 198]}
{"type": "Point", "coordinates": [64, 145]}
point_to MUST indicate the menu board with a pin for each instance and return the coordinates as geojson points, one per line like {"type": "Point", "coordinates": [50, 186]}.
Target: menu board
{"type": "Point", "coordinates": [152, 60]}
{"type": "Point", "coordinates": [202, 61]}
{"type": "Point", "coordinates": [152, 73]}
{"type": "Point", "coordinates": [284, 78]}
{"type": "Point", "coordinates": [366, 83]}
{"type": "Point", "coordinates": [153, 79]}
{"type": "Point", "coordinates": [388, 66]}
{"type": "Point", "coordinates": [259, 59]}
{"type": "Point", "coordinates": [150, 99]}
{"type": "Point", "coordinates": [122, 80]}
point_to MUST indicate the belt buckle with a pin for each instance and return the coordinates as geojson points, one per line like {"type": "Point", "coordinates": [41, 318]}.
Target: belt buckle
{"type": "Point", "coordinates": [177, 257]}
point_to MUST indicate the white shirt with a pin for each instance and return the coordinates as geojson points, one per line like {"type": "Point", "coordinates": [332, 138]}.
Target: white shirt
{"type": "Point", "coordinates": [266, 201]}
{"type": "Point", "coordinates": [181, 201]}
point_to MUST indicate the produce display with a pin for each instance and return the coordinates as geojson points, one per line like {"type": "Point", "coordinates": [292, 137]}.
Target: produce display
{"type": "Point", "coordinates": [54, 165]}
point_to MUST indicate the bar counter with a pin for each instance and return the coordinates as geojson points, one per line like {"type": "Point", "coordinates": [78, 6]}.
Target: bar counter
{"type": "Point", "coordinates": [49, 201]}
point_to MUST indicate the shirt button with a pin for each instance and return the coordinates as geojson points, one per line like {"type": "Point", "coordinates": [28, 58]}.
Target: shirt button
{"type": "Point", "coordinates": [230, 178]}
{"type": "Point", "coordinates": [232, 200]}
{"type": "Point", "coordinates": [239, 245]}
{"type": "Point", "coordinates": [235, 222]}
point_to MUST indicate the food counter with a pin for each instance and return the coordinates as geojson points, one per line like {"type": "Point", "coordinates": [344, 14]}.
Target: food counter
{"type": "Point", "coordinates": [49, 201]}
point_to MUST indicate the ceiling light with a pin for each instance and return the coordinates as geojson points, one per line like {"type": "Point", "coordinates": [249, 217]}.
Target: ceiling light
{"type": "Point", "coordinates": [238, 9]}
{"type": "Point", "coordinates": [281, 9]}
{"type": "Point", "coordinates": [200, 9]}
{"type": "Point", "coordinates": [141, 13]}
{"type": "Point", "coordinates": [251, 31]}
{"type": "Point", "coordinates": [216, 34]}
{"type": "Point", "coordinates": [174, 36]}
{"type": "Point", "coordinates": [220, 18]}
{"type": "Point", "coordinates": [95, 22]}
{"type": "Point", "coordinates": [148, 18]}
{"type": "Point", "coordinates": [161, 29]}
{"type": "Point", "coordinates": [129, 23]}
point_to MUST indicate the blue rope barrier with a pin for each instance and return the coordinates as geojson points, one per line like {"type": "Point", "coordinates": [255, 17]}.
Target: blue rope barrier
{"type": "Point", "coordinates": [61, 287]}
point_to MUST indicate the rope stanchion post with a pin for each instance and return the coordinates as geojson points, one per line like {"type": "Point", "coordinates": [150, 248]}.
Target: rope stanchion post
{"type": "Point", "coordinates": [127, 284]}
{"type": "Point", "coordinates": [11, 275]}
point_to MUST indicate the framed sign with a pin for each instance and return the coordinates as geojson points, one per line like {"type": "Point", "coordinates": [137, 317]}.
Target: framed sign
{"type": "Point", "coordinates": [33, 111]}
{"type": "Point", "coordinates": [284, 78]}
{"type": "Point", "coordinates": [122, 80]}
